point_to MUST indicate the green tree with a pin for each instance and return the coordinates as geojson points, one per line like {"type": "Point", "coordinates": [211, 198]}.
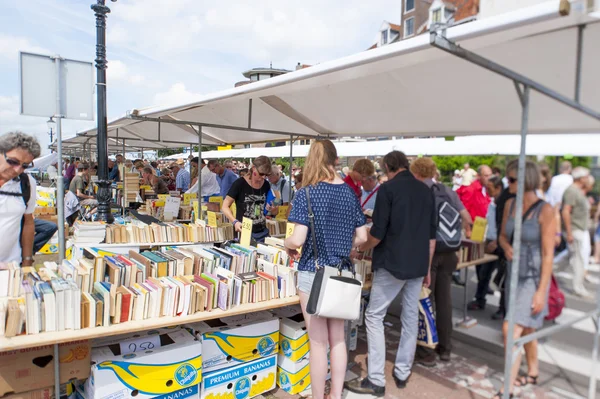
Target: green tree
{"type": "Point", "coordinates": [448, 164]}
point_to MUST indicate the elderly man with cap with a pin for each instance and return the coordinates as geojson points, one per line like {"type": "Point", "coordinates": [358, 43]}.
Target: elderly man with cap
{"type": "Point", "coordinates": [181, 176]}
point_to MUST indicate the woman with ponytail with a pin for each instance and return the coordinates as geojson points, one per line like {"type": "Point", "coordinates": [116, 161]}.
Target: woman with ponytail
{"type": "Point", "coordinates": [339, 226]}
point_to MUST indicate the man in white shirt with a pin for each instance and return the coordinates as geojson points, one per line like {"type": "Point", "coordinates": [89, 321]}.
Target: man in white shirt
{"type": "Point", "coordinates": [468, 175]}
{"type": "Point", "coordinates": [559, 184]}
{"type": "Point", "coordinates": [210, 186]}
{"type": "Point", "coordinates": [17, 152]}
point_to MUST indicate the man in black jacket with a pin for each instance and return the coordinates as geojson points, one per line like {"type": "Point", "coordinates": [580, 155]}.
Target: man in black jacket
{"type": "Point", "coordinates": [403, 235]}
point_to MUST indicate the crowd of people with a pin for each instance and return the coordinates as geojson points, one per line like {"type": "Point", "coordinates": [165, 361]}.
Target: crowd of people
{"type": "Point", "coordinates": [355, 210]}
{"type": "Point", "coordinates": [404, 233]}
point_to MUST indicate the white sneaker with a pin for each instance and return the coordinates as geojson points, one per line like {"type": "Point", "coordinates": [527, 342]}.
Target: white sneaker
{"type": "Point", "coordinates": [592, 279]}
{"type": "Point", "coordinates": [583, 293]}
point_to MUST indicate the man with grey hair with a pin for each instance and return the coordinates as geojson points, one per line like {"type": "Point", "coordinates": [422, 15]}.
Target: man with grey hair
{"type": "Point", "coordinates": [17, 197]}
{"type": "Point", "coordinates": [280, 187]}
{"type": "Point", "coordinates": [575, 218]}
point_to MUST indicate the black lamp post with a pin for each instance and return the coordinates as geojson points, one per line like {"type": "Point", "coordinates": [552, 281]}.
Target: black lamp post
{"type": "Point", "coordinates": [104, 185]}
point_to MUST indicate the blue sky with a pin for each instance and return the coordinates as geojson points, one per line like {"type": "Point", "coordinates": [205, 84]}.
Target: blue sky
{"type": "Point", "coordinates": [173, 51]}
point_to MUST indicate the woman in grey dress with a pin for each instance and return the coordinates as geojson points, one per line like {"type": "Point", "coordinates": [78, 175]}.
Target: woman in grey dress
{"type": "Point", "coordinates": [535, 267]}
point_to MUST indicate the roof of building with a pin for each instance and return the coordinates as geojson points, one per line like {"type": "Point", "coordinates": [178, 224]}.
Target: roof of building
{"type": "Point", "coordinates": [274, 71]}
{"type": "Point", "coordinates": [464, 8]}
{"type": "Point", "coordinates": [395, 27]}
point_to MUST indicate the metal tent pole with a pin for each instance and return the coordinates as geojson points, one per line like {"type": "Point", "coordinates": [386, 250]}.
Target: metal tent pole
{"type": "Point", "coordinates": [594, 368]}
{"type": "Point", "coordinates": [60, 200]}
{"type": "Point", "coordinates": [199, 170]}
{"type": "Point", "coordinates": [291, 161]}
{"type": "Point", "coordinates": [516, 244]}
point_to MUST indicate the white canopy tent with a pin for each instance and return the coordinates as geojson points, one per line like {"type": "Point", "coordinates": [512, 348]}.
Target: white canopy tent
{"type": "Point", "coordinates": [410, 88]}
{"type": "Point", "coordinates": [544, 144]}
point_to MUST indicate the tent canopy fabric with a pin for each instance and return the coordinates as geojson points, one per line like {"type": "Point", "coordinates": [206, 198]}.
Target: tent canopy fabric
{"type": "Point", "coordinates": [409, 88]}
{"type": "Point", "coordinates": [548, 145]}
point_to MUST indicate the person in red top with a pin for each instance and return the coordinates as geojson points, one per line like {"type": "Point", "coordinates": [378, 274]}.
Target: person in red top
{"type": "Point", "coordinates": [475, 197]}
{"type": "Point", "coordinates": [362, 169]}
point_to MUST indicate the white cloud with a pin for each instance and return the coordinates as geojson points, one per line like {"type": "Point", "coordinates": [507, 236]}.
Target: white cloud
{"type": "Point", "coordinates": [177, 94]}
{"type": "Point", "coordinates": [11, 45]}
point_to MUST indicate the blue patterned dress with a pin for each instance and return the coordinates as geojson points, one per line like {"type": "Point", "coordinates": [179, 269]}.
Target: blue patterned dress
{"type": "Point", "coordinates": [337, 215]}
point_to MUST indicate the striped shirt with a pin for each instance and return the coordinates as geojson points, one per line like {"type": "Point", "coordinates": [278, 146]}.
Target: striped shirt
{"type": "Point", "coordinates": [182, 181]}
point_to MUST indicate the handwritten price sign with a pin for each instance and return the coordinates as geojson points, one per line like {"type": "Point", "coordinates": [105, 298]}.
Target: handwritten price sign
{"type": "Point", "coordinates": [246, 232]}
{"type": "Point", "coordinates": [140, 344]}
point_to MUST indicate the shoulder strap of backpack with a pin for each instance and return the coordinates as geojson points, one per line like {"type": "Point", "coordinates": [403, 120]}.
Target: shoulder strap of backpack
{"type": "Point", "coordinates": [25, 187]}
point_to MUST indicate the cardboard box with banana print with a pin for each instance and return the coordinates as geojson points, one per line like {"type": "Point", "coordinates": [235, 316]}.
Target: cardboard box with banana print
{"type": "Point", "coordinates": [225, 345]}
{"type": "Point", "coordinates": [163, 366]}
{"type": "Point", "coordinates": [243, 381]}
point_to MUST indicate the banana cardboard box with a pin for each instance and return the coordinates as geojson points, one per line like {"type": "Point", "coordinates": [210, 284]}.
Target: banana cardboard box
{"type": "Point", "coordinates": [243, 381]}
{"type": "Point", "coordinates": [293, 338]}
{"type": "Point", "coordinates": [161, 366]}
{"type": "Point", "coordinates": [226, 345]}
{"type": "Point", "coordinates": [32, 369]}
{"type": "Point", "coordinates": [294, 377]}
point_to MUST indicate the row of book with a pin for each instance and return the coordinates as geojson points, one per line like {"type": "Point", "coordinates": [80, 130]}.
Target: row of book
{"type": "Point", "coordinates": [470, 251]}
{"type": "Point", "coordinates": [89, 232]}
{"type": "Point", "coordinates": [140, 233]}
{"type": "Point", "coordinates": [103, 290]}
{"type": "Point", "coordinates": [276, 227]}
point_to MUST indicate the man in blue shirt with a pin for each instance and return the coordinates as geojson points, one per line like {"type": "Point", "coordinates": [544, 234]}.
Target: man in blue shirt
{"type": "Point", "coordinates": [182, 177]}
{"type": "Point", "coordinates": [225, 177]}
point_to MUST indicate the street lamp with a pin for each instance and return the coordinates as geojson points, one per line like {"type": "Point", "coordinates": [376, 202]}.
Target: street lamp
{"type": "Point", "coordinates": [104, 185]}
{"type": "Point", "coordinates": [51, 125]}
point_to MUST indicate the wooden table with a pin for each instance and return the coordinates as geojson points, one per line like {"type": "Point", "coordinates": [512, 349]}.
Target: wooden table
{"type": "Point", "coordinates": [468, 321]}
{"type": "Point", "coordinates": [58, 337]}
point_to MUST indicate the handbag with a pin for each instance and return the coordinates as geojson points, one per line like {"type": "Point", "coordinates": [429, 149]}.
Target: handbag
{"type": "Point", "coordinates": [334, 294]}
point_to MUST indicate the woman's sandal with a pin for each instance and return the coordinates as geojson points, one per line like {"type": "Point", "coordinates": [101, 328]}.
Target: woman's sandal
{"type": "Point", "coordinates": [525, 380]}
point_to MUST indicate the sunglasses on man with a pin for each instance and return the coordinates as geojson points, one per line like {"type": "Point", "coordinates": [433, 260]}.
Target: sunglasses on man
{"type": "Point", "coordinates": [15, 163]}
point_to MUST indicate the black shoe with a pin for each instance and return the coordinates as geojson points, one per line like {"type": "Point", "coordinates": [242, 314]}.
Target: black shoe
{"type": "Point", "coordinates": [365, 386]}
{"type": "Point", "coordinates": [445, 356]}
{"type": "Point", "coordinates": [401, 384]}
{"type": "Point", "coordinates": [476, 305]}
{"type": "Point", "coordinates": [499, 315]}
{"type": "Point", "coordinates": [425, 358]}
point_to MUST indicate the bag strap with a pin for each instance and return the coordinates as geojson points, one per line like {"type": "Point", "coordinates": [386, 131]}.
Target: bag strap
{"type": "Point", "coordinates": [311, 219]}
{"type": "Point", "coordinates": [370, 195]}
{"type": "Point", "coordinates": [531, 209]}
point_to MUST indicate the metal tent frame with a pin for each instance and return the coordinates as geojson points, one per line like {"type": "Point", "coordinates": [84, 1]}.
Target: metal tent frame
{"type": "Point", "coordinates": [523, 87]}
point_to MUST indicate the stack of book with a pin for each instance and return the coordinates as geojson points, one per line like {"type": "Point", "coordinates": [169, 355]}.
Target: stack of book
{"type": "Point", "coordinates": [140, 233]}
{"type": "Point", "coordinates": [89, 232]}
{"type": "Point", "coordinates": [102, 289]}
{"type": "Point", "coordinates": [470, 251]}
{"type": "Point", "coordinates": [276, 227]}
{"type": "Point", "coordinates": [131, 187]}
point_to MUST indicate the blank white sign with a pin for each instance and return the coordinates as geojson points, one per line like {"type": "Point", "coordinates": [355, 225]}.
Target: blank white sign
{"type": "Point", "coordinates": [39, 87]}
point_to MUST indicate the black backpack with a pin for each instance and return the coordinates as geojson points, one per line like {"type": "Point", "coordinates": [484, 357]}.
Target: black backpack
{"type": "Point", "coordinates": [448, 236]}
